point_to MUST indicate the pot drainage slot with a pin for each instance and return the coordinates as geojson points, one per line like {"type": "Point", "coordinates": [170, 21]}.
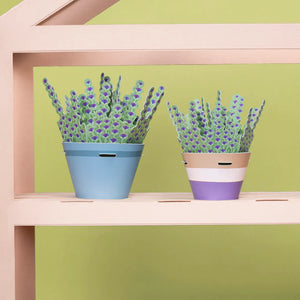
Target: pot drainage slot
{"type": "Point", "coordinates": [107, 154]}
{"type": "Point", "coordinates": [224, 163]}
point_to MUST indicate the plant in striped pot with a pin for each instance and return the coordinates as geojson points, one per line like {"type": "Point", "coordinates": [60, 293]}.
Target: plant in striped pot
{"type": "Point", "coordinates": [103, 136]}
{"type": "Point", "coordinates": [215, 146]}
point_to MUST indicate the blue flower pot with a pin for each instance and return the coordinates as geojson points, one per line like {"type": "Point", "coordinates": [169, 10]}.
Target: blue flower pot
{"type": "Point", "coordinates": [102, 171]}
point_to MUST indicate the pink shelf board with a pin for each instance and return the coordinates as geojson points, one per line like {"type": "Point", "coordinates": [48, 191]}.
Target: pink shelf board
{"type": "Point", "coordinates": [154, 209]}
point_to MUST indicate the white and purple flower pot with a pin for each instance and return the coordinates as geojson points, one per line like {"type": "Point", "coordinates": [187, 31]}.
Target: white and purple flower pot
{"type": "Point", "coordinates": [216, 176]}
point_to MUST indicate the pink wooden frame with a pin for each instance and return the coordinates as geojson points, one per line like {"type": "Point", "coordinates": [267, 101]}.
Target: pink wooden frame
{"type": "Point", "coordinates": [32, 34]}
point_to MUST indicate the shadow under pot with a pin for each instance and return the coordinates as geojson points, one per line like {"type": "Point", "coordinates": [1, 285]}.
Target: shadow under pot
{"type": "Point", "coordinates": [216, 176]}
{"type": "Point", "coordinates": [102, 171]}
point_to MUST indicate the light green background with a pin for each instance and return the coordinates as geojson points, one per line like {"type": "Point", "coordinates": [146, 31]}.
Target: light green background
{"type": "Point", "coordinates": [188, 262]}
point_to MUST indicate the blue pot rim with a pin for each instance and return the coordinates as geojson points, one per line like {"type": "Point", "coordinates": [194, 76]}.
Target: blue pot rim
{"type": "Point", "coordinates": [102, 146]}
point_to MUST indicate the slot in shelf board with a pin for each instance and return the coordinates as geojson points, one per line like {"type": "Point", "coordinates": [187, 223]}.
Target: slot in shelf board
{"type": "Point", "coordinates": [63, 209]}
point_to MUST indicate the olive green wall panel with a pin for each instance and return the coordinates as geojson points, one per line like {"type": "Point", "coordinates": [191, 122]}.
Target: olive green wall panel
{"type": "Point", "coordinates": [274, 163]}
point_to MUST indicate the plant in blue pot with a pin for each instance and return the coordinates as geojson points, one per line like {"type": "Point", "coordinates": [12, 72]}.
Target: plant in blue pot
{"type": "Point", "coordinates": [103, 135]}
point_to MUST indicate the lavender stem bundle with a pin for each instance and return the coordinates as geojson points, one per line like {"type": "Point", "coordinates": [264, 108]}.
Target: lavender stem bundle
{"type": "Point", "coordinates": [107, 119]}
{"type": "Point", "coordinates": [219, 130]}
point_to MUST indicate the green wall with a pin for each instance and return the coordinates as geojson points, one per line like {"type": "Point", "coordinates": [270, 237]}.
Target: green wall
{"type": "Point", "coordinates": [188, 262]}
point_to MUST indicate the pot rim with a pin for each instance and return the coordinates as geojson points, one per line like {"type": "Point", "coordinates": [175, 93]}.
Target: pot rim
{"type": "Point", "coordinates": [215, 153]}
{"type": "Point", "coordinates": [77, 143]}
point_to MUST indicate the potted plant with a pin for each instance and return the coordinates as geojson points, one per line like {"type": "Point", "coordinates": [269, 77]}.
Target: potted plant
{"type": "Point", "coordinates": [103, 138]}
{"type": "Point", "coordinates": [215, 146]}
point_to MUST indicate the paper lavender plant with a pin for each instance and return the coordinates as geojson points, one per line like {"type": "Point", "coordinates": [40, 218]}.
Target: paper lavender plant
{"type": "Point", "coordinates": [215, 131]}
{"type": "Point", "coordinates": [108, 119]}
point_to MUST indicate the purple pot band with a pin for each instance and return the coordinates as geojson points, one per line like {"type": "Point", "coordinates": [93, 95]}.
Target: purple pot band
{"type": "Point", "coordinates": [216, 190]}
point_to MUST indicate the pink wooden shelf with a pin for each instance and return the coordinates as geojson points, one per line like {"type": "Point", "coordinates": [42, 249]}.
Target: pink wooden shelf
{"type": "Point", "coordinates": [154, 209]}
